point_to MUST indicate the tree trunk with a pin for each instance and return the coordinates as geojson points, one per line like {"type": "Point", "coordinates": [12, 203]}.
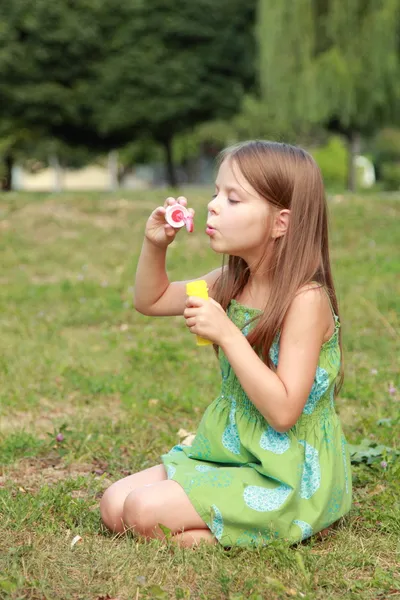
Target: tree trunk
{"type": "Point", "coordinates": [57, 177]}
{"type": "Point", "coordinates": [353, 146]}
{"type": "Point", "coordinates": [169, 164]}
{"type": "Point", "coordinates": [7, 179]}
{"type": "Point", "coordinates": [113, 170]}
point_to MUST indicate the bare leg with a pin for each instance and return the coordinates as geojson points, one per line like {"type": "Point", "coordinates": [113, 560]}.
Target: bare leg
{"type": "Point", "coordinates": [112, 502]}
{"type": "Point", "coordinates": [166, 503]}
{"type": "Point", "coordinates": [194, 537]}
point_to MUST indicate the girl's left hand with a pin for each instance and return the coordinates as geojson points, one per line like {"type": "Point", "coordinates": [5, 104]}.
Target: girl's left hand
{"type": "Point", "coordinates": [208, 319]}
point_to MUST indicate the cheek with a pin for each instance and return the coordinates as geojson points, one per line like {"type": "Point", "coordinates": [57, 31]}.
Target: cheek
{"type": "Point", "coordinates": [249, 227]}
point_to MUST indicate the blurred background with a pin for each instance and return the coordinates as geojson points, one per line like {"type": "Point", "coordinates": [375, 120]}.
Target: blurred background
{"type": "Point", "coordinates": [141, 93]}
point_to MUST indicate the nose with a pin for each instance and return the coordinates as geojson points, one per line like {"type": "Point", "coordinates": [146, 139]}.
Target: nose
{"type": "Point", "coordinates": [213, 206]}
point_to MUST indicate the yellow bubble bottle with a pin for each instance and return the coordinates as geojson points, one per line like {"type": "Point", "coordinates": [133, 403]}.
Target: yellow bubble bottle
{"type": "Point", "coordinates": [199, 289]}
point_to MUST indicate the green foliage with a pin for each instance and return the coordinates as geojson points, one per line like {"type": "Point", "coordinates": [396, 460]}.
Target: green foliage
{"type": "Point", "coordinates": [254, 121]}
{"type": "Point", "coordinates": [386, 145]}
{"type": "Point", "coordinates": [285, 33]}
{"type": "Point", "coordinates": [48, 55]}
{"type": "Point", "coordinates": [386, 155]}
{"type": "Point", "coordinates": [331, 62]}
{"type": "Point", "coordinates": [370, 452]}
{"type": "Point", "coordinates": [332, 160]}
{"type": "Point", "coordinates": [391, 175]}
{"type": "Point", "coordinates": [101, 74]}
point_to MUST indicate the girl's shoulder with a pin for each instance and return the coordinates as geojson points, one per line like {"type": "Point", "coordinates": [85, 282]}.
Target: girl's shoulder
{"type": "Point", "coordinates": [313, 305]}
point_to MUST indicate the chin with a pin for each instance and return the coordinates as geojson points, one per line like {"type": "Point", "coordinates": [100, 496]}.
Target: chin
{"type": "Point", "coordinates": [214, 245]}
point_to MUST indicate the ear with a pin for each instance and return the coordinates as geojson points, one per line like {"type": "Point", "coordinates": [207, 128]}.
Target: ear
{"type": "Point", "coordinates": [281, 223]}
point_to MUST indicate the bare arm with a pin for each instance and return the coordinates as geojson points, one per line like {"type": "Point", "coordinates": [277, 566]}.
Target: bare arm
{"type": "Point", "coordinates": [168, 298]}
{"type": "Point", "coordinates": [151, 278]}
{"type": "Point", "coordinates": [280, 397]}
{"type": "Point", "coordinates": [154, 294]}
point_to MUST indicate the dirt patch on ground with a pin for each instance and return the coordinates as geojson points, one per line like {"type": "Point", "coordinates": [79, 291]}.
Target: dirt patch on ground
{"type": "Point", "coordinates": [30, 474]}
{"type": "Point", "coordinates": [48, 415]}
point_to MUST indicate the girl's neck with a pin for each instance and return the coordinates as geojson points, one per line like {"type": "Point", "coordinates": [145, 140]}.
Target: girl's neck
{"type": "Point", "coordinates": [256, 292]}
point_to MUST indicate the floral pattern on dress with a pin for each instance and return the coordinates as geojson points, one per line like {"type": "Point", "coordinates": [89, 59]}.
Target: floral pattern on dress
{"type": "Point", "coordinates": [217, 522]}
{"type": "Point", "coordinates": [311, 472]}
{"type": "Point", "coordinates": [177, 448]}
{"type": "Point", "coordinates": [334, 505]}
{"type": "Point", "coordinates": [216, 478]}
{"type": "Point", "coordinates": [201, 447]}
{"type": "Point", "coordinates": [274, 351]}
{"type": "Point", "coordinates": [230, 437]}
{"type": "Point", "coordinates": [266, 499]}
{"type": "Point", "coordinates": [205, 468]}
{"type": "Point", "coordinates": [274, 441]}
{"type": "Point", "coordinates": [171, 470]}
{"type": "Point", "coordinates": [306, 529]}
{"type": "Point", "coordinates": [328, 430]}
{"type": "Point", "coordinates": [248, 325]}
{"type": "Point", "coordinates": [225, 367]}
{"type": "Point", "coordinates": [344, 455]}
{"type": "Point", "coordinates": [320, 385]}
{"type": "Point", "coordinates": [332, 396]}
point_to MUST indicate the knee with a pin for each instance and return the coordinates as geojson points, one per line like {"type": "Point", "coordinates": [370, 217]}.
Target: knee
{"type": "Point", "coordinates": [111, 505]}
{"type": "Point", "coordinates": [139, 512]}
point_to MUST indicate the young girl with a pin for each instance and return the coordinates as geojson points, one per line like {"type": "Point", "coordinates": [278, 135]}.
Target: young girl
{"type": "Point", "coordinates": [269, 458]}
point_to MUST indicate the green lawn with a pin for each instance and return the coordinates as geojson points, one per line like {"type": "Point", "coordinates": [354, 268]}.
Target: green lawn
{"type": "Point", "coordinates": [77, 359]}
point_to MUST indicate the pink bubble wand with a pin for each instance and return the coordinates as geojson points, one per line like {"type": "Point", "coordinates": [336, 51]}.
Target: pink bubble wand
{"type": "Point", "coordinates": [178, 216]}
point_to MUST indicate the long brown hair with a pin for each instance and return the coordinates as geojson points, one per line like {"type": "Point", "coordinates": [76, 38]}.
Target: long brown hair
{"type": "Point", "coordinates": [288, 178]}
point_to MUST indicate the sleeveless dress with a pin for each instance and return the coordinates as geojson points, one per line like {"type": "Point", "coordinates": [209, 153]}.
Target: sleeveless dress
{"type": "Point", "coordinates": [251, 484]}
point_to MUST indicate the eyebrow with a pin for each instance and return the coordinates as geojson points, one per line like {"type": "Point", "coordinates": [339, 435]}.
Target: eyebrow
{"type": "Point", "coordinates": [231, 189]}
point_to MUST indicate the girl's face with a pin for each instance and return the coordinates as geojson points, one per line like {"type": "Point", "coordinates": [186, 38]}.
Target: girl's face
{"type": "Point", "coordinates": [239, 219]}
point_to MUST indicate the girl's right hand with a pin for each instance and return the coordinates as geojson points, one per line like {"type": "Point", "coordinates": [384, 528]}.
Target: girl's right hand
{"type": "Point", "coordinates": [157, 231]}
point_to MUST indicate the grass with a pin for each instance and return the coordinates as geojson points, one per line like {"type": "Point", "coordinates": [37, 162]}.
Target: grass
{"type": "Point", "coordinates": [77, 359]}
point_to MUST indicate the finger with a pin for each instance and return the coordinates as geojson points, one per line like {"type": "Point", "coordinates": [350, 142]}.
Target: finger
{"type": "Point", "coordinates": [160, 210]}
{"type": "Point", "coordinates": [182, 200]}
{"type": "Point", "coordinates": [194, 301]}
{"type": "Point", "coordinates": [191, 322]}
{"type": "Point", "coordinates": [189, 312]}
{"type": "Point", "coordinates": [170, 200]}
{"type": "Point", "coordinates": [170, 231]}
{"type": "Point", "coordinates": [191, 211]}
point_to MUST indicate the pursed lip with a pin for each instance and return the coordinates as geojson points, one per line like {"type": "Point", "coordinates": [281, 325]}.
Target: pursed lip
{"type": "Point", "coordinates": [210, 226]}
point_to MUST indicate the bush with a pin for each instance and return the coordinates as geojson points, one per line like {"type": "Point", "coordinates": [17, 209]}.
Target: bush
{"type": "Point", "coordinates": [386, 145]}
{"type": "Point", "coordinates": [386, 157]}
{"type": "Point", "coordinates": [332, 160]}
{"type": "Point", "coordinates": [390, 174]}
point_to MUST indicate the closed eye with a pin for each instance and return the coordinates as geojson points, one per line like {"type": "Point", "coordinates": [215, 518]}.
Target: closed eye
{"type": "Point", "coordinates": [229, 199]}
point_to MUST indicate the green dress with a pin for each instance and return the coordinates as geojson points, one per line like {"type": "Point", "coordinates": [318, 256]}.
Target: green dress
{"type": "Point", "coordinates": [250, 483]}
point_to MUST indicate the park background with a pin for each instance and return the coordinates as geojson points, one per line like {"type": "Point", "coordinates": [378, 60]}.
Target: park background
{"type": "Point", "coordinates": [98, 99]}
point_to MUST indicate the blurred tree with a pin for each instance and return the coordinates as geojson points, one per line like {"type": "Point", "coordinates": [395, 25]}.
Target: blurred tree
{"type": "Point", "coordinates": [101, 74]}
{"type": "Point", "coordinates": [332, 62]}
{"type": "Point", "coordinates": [15, 142]}
{"type": "Point", "coordinates": [172, 65]}
{"type": "Point", "coordinates": [47, 56]}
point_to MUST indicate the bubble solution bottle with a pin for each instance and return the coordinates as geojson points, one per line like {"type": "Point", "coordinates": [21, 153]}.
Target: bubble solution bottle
{"type": "Point", "coordinates": [199, 289]}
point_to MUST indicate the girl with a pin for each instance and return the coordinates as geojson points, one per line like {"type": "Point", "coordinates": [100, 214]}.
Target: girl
{"type": "Point", "coordinates": [269, 458]}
